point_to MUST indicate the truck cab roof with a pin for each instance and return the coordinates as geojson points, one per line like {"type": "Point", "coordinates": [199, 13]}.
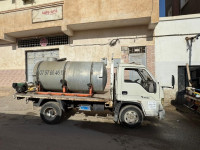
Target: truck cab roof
{"type": "Point", "coordinates": [132, 65]}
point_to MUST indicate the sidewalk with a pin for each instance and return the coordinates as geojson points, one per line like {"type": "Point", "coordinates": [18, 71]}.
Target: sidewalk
{"type": "Point", "coordinates": [8, 103]}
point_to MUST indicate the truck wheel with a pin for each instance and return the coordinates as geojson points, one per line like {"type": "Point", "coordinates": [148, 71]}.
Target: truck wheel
{"type": "Point", "coordinates": [130, 116]}
{"type": "Point", "coordinates": [51, 113]}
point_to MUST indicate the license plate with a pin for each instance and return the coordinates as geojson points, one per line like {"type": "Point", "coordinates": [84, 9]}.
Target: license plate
{"type": "Point", "coordinates": [85, 108]}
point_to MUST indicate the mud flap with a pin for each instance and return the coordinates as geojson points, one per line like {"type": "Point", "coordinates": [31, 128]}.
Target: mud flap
{"type": "Point", "coordinates": [116, 112]}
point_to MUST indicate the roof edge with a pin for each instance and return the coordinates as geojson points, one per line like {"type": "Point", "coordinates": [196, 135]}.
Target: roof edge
{"type": "Point", "coordinates": [181, 17]}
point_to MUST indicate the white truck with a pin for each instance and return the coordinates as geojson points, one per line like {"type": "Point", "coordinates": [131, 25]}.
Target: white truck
{"type": "Point", "coordinates": [133, 95]}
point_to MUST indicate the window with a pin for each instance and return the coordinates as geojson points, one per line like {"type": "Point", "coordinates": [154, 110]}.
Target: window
{"type": "Point", "coordinates": [131, 76]}
{"type": "Point", "coordinates": [28, 1]}
{"type": "Point", "coordinates": [183, 3]}
{"type": "Point", "coordinates": [170, 11]}
{"type": "Point", "coordinates": [140, 76]}
{"type": "Point", "coordinates": [146, 75]}
{"type": "Point", "coordinates": [137, 49]}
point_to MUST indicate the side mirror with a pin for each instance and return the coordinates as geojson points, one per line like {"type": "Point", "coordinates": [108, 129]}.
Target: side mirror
{"type": "Point", "coordinates": [173, 81]}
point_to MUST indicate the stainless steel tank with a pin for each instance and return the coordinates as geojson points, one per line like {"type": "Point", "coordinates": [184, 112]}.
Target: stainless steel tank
{"type": "Point", "coordinates": [77, 76]}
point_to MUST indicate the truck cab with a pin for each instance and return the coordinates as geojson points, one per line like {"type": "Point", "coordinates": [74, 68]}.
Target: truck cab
{"type": "Point", "coordinates": [138, 94]}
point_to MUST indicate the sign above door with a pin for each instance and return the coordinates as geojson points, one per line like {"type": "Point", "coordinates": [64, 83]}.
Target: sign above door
{"type": "Point", "coordinates": [47, 14]}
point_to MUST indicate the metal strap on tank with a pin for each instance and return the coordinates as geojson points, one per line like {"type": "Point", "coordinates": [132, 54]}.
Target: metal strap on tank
{"type": "Point", "coordinates": [91, 73]}
{"type": "Point", "coordinates": [64, 70]}
{"type": "Point", "coordinates": [37, 73]}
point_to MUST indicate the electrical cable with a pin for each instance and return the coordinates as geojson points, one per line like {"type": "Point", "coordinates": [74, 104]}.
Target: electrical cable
{"type": "Point", "coordinates": [113, 42]}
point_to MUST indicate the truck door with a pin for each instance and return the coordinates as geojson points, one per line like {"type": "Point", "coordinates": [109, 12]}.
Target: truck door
{"type": "Point", "coordinates": [137, 84]}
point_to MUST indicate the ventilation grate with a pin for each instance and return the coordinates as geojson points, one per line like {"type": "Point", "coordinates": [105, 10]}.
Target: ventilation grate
{"type": "Point", "coordinates": [44, 41]}
{"type": "Point", "coordinates": [137, 49]}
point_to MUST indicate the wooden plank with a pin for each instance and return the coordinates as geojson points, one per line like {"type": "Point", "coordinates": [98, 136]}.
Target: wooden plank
{"type": "Point", "coordinates": [188, 74]}
{"type": "Point", "coordinates": [191, 97]}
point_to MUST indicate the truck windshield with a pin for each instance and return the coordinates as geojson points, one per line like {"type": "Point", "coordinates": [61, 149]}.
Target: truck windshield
{"type": "Point", "coordinates": [147, 82]}
{"type": "Point", "coordinates": [146, 75]}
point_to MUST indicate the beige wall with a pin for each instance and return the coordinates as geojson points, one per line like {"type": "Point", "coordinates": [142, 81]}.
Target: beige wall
{"type": "Point", "coordinates": [21, 21]}
{"type": "Point", "coordinates": [18, 19]}
{"type": "Point", "coordinates": [81, 48]}
{"type": "Point", "coordinates": [95, 53]}
{"type": "Point", "coordinates": [77, 11]}
{"type": "Point", "coordinates": [129, 21]}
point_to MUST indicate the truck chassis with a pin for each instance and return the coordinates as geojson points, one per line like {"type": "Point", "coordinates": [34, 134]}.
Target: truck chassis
{"type": "Point", "coordinates": [53, 107]}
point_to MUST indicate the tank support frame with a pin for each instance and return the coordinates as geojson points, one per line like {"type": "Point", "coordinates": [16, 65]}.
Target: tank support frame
{"type": "Point", "coordinates": [64, 93]}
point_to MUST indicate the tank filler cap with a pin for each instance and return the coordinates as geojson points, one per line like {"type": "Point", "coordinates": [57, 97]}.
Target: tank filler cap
{"type": "Point", "coordinates": [51, 59]}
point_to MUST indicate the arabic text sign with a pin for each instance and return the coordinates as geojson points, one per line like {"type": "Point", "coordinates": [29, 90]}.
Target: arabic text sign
{"type": "Point", "coordinates": [47, 14]}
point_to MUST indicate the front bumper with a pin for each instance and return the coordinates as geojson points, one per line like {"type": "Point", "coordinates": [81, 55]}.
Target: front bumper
{"type": "Point", "coordinates": [161, 114]}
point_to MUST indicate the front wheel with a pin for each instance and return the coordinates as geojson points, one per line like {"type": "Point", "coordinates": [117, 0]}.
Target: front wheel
{"type": "Point", "coordinates": [51, 113]}
{"type": "Point", "coordinates": [130, 116]}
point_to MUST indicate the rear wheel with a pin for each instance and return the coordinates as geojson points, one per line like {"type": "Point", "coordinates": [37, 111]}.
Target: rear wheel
{"type": "Point", "coordinates": [51, 113]}
{"type": "Point", "coordinates": [130, 116]}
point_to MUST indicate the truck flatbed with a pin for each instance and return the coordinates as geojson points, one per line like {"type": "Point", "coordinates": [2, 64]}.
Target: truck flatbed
{"type": "Point", "coordinates": [103, 97]}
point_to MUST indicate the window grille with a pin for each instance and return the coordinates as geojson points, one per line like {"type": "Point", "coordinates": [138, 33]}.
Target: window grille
{"type": "Point", "coordinates": [137, 49]}
{"type": "Point", "coordinates": [43, 41]}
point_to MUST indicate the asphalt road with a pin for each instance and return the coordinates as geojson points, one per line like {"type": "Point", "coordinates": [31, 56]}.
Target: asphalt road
{"type": "Point", "coordinates": [24, 130]}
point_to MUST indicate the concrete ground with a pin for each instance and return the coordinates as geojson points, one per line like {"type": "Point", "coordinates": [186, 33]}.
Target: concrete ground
{"type": "Point", "coordinates": [22, 129]}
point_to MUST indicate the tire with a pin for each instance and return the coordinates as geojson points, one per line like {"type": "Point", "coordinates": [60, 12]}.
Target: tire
{"type": "Point", "coordinates": [130, 116]}
{"type": "Point", "coordinates": [51, 113]}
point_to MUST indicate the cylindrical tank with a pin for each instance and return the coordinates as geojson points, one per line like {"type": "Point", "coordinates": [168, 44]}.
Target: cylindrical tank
{"type": "Point", "coordinates": [77, 76]}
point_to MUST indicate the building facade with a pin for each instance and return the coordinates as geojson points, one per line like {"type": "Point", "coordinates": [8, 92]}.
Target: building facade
{"type": "Point", "coordinates": [79, 30]}
{"type": "Point", "coordinates": [173, 51]}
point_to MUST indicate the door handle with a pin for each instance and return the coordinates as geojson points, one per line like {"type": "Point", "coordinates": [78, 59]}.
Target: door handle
{"type": "Point", "coordinates": [124, 92]}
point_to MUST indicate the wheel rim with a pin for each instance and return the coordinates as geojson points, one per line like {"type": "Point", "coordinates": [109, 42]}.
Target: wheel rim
{"type": "Point", "coordinates": [131, 117]}
{"type": "Point", "coordinates": [50, 113]}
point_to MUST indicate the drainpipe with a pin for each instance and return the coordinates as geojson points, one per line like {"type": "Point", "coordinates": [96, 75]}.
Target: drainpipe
{"type": "Point", "coordinates": [189, 41]}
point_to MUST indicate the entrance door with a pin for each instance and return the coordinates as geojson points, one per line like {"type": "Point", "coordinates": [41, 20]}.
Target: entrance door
{"type": "Point", "coordinates": [33, 57]}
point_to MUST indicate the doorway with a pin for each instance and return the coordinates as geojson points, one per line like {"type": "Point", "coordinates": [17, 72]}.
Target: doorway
{"type": "Point", "coordinates": [183, 81]}
{"type": "Point", "coordinates": [33, 57]}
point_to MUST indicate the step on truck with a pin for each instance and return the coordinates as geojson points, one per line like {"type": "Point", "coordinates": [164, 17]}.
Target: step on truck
{"type": "Point", "coordinates": [59, 85]}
